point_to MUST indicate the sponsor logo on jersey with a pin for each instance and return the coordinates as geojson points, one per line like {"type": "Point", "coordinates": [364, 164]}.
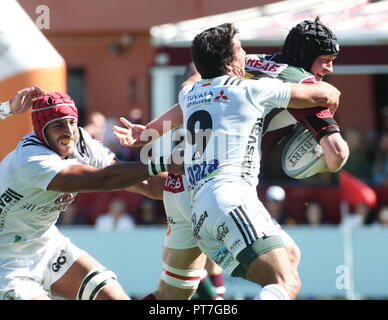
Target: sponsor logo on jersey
{"type": "Point", "coordinates": [235, 244]}
{"type": "Point", "coordinates": [61, 204]}
{"type": "Point", "coordinates": [222, 97]}
{"type": "Point", "coordinates": [65, 198]}
{"type": "Point", "coordinates": [174, 183]}
{"type": "Point", "coordinates": [18, 239]}
{"type": "Point", "coordinates": [201, 171]}
{"type": "Point", "coordinates": [222, 231]}
{"type": "Point", "coordinates": [249, 162]}
{"type": "Point", "coordinates": [220, 255]}
{"type": "Point", "coordinates": [324, 114]}
{"type": "Point", "coordinates": [9, 196]}
{"type": "Point", "coordinates": [206, 84]}
{"type": "Point", "coordinates": [170, 221]}
{"type": "Point", "coordinates": [7, 200]}
{"type": "Point", "coordinates": [254, 63]}
{"type": "Point", "coordinates": [197, 225]}
{"type": "Point", "coordinates": [197, 99]}
{"type": "Point", "coordinates": [61, 260]}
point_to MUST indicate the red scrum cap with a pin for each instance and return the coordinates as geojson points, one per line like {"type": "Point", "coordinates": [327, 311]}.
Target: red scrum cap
{"type": "Point", "coordinates": [50, 107]}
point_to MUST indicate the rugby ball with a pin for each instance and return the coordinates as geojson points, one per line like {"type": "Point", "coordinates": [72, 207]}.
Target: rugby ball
{"type": "Point", "coordinates": [302, 156]}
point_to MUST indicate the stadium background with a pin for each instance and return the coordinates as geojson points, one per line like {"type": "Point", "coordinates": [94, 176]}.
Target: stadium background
{"type": "Point", "coordinates": [125, 55]}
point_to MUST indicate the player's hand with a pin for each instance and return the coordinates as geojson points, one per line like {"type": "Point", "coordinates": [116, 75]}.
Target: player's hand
{"type": "Point", "coordinates": [333, 97]}
{"type": "Point", "coordinates": [23, 99]}
{"type": "Point", "coordinates": [129, 136]}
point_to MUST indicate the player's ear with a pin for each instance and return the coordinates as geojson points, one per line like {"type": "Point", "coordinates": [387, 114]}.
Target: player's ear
{"type": "Point", "coordinates": [228, 67]}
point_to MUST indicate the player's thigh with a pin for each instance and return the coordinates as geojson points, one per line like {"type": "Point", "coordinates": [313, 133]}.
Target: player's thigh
{"type": "Point", "coordinates": [212, 267]}
{"type": "Point", "coordinates": [191, 258]}
{"type": "Point", "coordinates": [227, 222]}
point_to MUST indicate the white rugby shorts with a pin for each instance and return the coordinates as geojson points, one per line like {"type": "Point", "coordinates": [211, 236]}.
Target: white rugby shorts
{"type": "Point", "coordinates": [228, 217]}
{"type": "Point", "coordinates": [178, 212]}
{"type": "Point", "coordinates": [30, 276]}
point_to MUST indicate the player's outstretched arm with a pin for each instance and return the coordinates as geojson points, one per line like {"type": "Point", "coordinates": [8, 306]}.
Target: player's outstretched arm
{"type": "Point", "coordinates": [135, 135]}
{"type": "Point", "coordinates": [152, 187]}
{"type": "Point", "coordinates": [321, 94]}
{"type": "Point", "coordinates": [130, 135]}
{"type": "Point", "coordinates": [119, 176]}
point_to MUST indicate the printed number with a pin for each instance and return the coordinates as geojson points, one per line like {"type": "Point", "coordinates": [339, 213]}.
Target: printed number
{"type": "Point", "coordinates": [204, 131]}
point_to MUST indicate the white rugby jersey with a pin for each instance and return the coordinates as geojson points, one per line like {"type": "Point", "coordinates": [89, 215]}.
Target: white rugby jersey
{"type": "Point", "coordinates": [28, 211]}
{"type": "Point", "coordinates": [223, 119]}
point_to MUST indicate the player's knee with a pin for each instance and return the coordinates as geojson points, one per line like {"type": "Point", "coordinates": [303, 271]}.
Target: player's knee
{"type": "Point", "coordinates": [180, 283]}
{"type": "Point", "coordinates": [168, 292]}
{"type": "Point", "coordinates": [289, 280]}
{"type": "Point", "coordinates": [297, 284]}
{"type": "Point", "coordinates": [294, 255]}
{"type": "Point", "coordinates": [274, 267]}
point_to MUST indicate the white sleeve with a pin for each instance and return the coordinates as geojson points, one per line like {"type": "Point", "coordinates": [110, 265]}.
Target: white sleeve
{"type": "Point", "coordinates": [39, 167]}
{"type": "Point", "coordinates": [5, 110]}
{"type": "Point", "coordinates": [99, 156]}
{"type": "Point", "coordinates": [183, 93]}
{"type": "Point", "coordinates": [270, 92]}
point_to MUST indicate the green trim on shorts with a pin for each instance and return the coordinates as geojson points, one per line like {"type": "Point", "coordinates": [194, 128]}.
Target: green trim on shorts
{"type": "Point", "coordinates": [239, 272]}
{"type": "Point", "coordinates": [250, 253]}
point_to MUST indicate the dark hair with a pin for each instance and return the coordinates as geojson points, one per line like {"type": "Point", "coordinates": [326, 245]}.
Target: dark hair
{"type": "Point", "coordinates": [307, 41]}
{"type": "Point", "coordinates": [212, 49]}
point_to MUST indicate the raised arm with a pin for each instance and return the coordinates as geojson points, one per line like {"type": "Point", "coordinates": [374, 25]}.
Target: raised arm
{"type": "Point", "coordinates": [20, 102]}
{"type": "Point", "coordinates": [133, 134]}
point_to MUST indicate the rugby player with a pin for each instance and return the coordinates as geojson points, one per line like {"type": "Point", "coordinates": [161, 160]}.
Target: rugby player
{"type": "Point", "coordinates": [306, 56]}
{"type": "Point", "coordinates": [39, 179]}
{"type": "Point", "coordinates": [166, 116]}
{"type": "Point", "coordinates": [222, 159]}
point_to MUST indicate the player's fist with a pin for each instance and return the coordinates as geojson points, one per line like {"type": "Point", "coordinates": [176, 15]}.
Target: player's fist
{"type": "Point", "coordinates": [23, 99]}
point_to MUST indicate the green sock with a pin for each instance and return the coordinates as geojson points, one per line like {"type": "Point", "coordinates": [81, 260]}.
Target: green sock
{"type": "Point", "coordinates": [206, 290]}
